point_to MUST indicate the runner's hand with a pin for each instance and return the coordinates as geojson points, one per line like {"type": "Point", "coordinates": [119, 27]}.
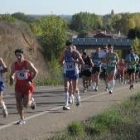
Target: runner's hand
{"type": "Point", "coordinates": [11, 81]}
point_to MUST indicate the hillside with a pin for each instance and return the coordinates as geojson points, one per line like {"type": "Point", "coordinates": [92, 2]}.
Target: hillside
{"type": "Point", "coordinates": [15, 35]}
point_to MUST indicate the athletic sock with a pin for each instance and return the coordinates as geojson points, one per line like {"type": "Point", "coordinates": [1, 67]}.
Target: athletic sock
{"type": "Point", "coordinates": [3, 105]}
{"type": "Point", "coordinates": [66, 99]}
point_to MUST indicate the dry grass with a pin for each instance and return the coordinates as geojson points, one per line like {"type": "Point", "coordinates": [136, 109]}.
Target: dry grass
{"type": "Point", "coordinates": [15, 35]}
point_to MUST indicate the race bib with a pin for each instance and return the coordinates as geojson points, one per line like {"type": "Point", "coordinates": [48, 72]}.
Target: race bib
{"type": "Point", "coordinates": [22, 75]}
{"type": "Point", "coordinates": [70, 66]}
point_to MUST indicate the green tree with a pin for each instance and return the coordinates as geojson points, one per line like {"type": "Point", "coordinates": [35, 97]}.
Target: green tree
{"type": "Point", "coordinates": [53, 35]}
{"type": "Point", "coordinates": [136, 45]}
{"type": "Point", "coordinates": [21, 16]}
{"type": "Point", "coordinates": [85, 21]}
{"type": "Point", "coordinates": [7, 17]}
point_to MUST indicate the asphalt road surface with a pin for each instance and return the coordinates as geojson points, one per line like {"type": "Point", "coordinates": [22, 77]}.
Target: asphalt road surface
{"type": "Point", "coordinates": [49, 118]}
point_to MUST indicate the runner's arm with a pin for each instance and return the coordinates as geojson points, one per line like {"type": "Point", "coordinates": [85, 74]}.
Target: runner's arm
{"type": "Point", "coordinates": [79, 58]}
{"type": "Point", "coordinates": [33, 70]}
{"type": "Point", "coordinates": [3, 66]}
{"type": "Point", "coordinates": [12, 74]}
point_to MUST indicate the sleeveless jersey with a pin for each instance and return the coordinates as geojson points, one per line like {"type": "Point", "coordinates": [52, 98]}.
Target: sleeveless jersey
{"type": "Point", "coordinates": [69, 64]}
{"type": "Point", "coordinates": [21, 71]}
{"type": "Point", "coordinates": [111, 60]}
{"type": "Point", "coordinates": [96, 59]}
{"type": "Point", "coordinates": [131, 59]}
{"type": "Point", "coordinates": [87, 64]}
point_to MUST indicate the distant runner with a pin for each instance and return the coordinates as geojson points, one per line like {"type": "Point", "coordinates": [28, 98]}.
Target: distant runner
{"type": "Point", "coordinates": [96, 69]}
{"type": "Point", "coordinates": [86, 71]}
{"type": "Point", "coordinates": [111, 60]}
{"type": "Point", "coordinates": [131, 59]}
{"type": "Point", "coordinates": [122, 68]}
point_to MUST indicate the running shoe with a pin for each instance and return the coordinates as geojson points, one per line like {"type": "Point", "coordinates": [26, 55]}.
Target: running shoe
{"type": "Point", "coordinates": [33, 104]}
{"type": "Point", "coordinates": [131, 87]}
{"type": "Point", "coordinates": [20, 122]}
{"type": "Point", "coordinates": [96, 88]}
{"type": "Point", "coordinates": [66, 108]}
{"type": "Point", "coordinates": [5, 112]}
{"type": "Point", "coordinates": [78, 101]}
{"type": "Point", "coordinates": [110, 92]}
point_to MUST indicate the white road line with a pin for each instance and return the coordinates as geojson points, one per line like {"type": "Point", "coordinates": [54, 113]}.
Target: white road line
{"type": "Point", "coordinates": [56, 108]}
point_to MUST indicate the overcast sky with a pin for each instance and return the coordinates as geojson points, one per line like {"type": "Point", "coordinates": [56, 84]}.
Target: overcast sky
{"type": "Point", "coordinates": [68, 7]}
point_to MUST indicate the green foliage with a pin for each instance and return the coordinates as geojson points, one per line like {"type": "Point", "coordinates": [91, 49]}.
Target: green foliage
{"type": "Point", "coordinates": [83, 34]}
{"type": "Point", "coordinates": [21, 16]}
{"type": "Point", "coordinates": [136, 45]}
{"type": "Point", "coordinates": [85, 21]}
{"type": "Point", "coordinates": [55, 76]}
{"type": "Point", "coordinates": [53, 35]}
{"type": "Point", "coordinates": [76, 129]}
{"type": "Point", "coordinates": [8, 17]}
{"type": "Point", "coordinates": [120, 122]}
{"type": "Point", "coordinates": [134, 33]}
{"type": "Point", "coordinates": [36, 29]}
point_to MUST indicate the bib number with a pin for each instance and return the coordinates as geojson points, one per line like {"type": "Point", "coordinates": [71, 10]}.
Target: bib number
{"type": "Point", "coordinates": [21, 75]}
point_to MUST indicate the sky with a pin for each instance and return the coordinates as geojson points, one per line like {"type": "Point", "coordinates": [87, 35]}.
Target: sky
{"type": "Point", "coordinates": [68, 7]}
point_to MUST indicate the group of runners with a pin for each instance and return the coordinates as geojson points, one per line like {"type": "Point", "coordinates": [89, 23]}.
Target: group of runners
{"type": "Point", "coordinates": [104, 62]}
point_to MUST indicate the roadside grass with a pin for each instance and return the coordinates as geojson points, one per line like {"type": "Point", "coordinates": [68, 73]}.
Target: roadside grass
{"type": "Point", "coordinates": [55, 76]}
{"type": "Point", "coordinates": [119, 122]}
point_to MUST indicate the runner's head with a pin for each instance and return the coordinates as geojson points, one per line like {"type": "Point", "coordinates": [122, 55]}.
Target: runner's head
{"type": "Point", "coordinates": [98, 49]}
{"type": "Point", "coordinates": [131, 50]}
{"type": "Point", "coordinates": [110, 48]}
{"type": "Point", "coordinates": [122, 61]}
{"type": "Point", "coordinates": [84, 55]}
{"type": "Point", "coordinates": [69, 46]}
{"type": "Point", "coordinates": [105, 48]}
{"type": "Point", "coordinates": [19, 54]}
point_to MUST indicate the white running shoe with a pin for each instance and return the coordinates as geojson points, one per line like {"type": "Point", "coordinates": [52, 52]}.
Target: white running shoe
{"type": "Point", "coordinates": [110, 92]}
{"type": "Point", "coordinates": [20, 122]}
{"type": "Point", "coordinates": [66, 108]}
{"type": "Point", "coordinates": [5, 112]}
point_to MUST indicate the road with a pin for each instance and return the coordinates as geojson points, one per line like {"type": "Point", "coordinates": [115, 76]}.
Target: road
{"type": "Point", "coordinates": [49, 118]}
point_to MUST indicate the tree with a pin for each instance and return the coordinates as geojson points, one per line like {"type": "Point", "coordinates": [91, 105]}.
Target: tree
{"type": "Point", "coordinates": [53, 35]}
{"type": "Point", "coordinates": [136, 45]}
{"type": "Point", "coordinates": [85, 21]}
{"type": "Point", "coordinates": [21, 16]}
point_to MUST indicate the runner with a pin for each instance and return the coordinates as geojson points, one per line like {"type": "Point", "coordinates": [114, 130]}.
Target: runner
{"type": "Point", "coordinates": [111, 60]}
{"type": "Point", "coordinates": [104, 65]}
{"type": "Point", "coordinates": [96, 69]}
{"type": "Point", "coordinates": [137, 70]}
{"type": "Point", "coordinates": [86, 71]}
{"type": "Point", "coordinates": [72, 59]}
{"type": "Point", "coordinates": [131, 60]}
{"type": "Point", "coordinates": [3, 69]}
{"type": "Point", "coordinates": [62, 63]}
{"type": "Point", "coordinates": [121, 70]}
{"type": "Point", "coordinates": [24, 72]}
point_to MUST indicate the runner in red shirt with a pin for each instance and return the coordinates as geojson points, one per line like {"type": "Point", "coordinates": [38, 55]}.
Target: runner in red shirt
{"type": "Point", "coordinates": [24, 72]}
{"type": "Point", "coordinates": [122, 68]}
